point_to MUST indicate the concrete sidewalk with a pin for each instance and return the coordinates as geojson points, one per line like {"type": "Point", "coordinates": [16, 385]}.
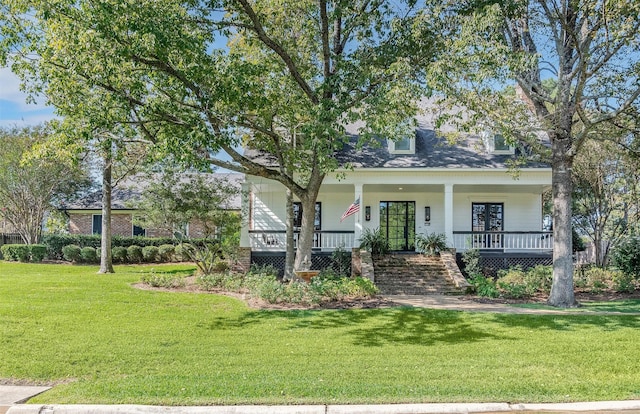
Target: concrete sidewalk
{"type": "Point", "coordinates": [16, 394]}
{"type": "Point", "coordinates": [627, 407]}
{"type": "Point", "coordinates": [462, 303]}
{"type": "Point", "coordinates": [12, 397]}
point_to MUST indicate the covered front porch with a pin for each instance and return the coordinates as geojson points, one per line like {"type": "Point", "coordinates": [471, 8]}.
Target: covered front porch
{"type": "Point", "coordinates": [490, 211]}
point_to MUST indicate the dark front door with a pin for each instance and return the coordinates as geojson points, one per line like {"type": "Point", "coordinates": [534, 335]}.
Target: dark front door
{"type": "Point", "coordinates": [398, 224]}
{"type": "Point", "coordinates": [487, 218]}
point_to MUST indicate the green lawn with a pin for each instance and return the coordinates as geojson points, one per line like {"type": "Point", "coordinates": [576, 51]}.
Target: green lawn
{"type": "Point", "coordinates": [104, 341]}
{"type": "Point", "coordinates": [619, 306]}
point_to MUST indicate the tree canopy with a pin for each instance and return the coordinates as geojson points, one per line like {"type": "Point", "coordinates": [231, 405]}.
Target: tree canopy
{"type": "Point", "coordinates": [202, 79]}
{"type": "Point", "coordinates": [31, 186]}
{"type": "Point", "coordinates": [572, 66]}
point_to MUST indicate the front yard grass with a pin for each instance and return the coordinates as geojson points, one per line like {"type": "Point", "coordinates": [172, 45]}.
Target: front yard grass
{"type": "Point", "coordinates": [104, 342]}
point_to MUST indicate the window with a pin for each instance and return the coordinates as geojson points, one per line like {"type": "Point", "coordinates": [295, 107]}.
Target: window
{"type": "Point", "coordinates": [96, 227]}
{"type": "Point", "coordinates": [497, 144]}
{"type": "Point", "coordinates": [487, 218]}
{"type": "Point", "coordinates": [139, 231]}
{"type": "Point", "coordinates": [405, 145]}
{"type": "Point", "coordinates": [297, 216]}
{"type": "Point", "coordinates": [501, 146]}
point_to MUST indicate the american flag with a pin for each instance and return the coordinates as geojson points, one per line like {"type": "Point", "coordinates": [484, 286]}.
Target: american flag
{"type": "Point", "coordinates": [353, 208]}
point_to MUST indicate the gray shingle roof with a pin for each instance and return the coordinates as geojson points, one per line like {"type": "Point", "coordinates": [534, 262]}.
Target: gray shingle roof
{"type": "Point", "coordinates": [431, 151]}
{"type": "Point", "coordinates": [131, 190]}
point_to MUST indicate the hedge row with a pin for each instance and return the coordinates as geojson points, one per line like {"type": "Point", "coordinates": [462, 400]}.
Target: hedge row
{"type": "Point", "coordinates": [121, 254]}
{"type": "Point", "coordinates": [23, 252]}
{"type": "Point", "coordinates": [56, 242]}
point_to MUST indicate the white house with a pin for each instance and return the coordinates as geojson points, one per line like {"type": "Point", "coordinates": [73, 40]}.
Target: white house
{"type": "Point", "coordinates": [416, 186]}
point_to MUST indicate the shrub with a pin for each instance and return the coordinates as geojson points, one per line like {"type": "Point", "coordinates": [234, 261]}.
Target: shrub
{"type": "Point", "coordinates": [119, 254]}
{"type": "Point", "coordinates": [374, 241]}
{"type": "Point", "coordinates": [512, 284]}
{"type": "Point", "coordinates": [134, 253]}
{"type": "Point", "coordinates": [341, 261]}
{"type": "Point", "coordinates": [181, 252]}
{"type": "Point", "coordinates": [55, 242]}
{"type": "Point", "coordinates": [228, 281]}
{"type": "Point", "coordinates": [71, 253]}
{"type": "Point", "coordinates": [164, 280]}
{"type": "Point", "coordinates": [166, 252]}
{"type": "Point", "coordinates": [540, 278]}
{"type": "Point", "coordinates": [16, 252]}
{"type": "Point", "coordinates": [88, 255]}
{"type": "Point", "coordinates": [622, 282]}
{"type": "Point", "coordinates": [265, 286]}
{"type": "Point", "coordinates": [597, 279]}
{"type": "Point", "coordinates": [431, 244]}
{"type": "Point", "coordinates": [38, 252]}
{"type": "Point", "coordinates": [626, 257]}
{"type": "Point", "coordinates": [150, 254]}
{"type": "Point", "coordinates": [484, 286]}
{"type": "Point", "coordinates": [471, 260]}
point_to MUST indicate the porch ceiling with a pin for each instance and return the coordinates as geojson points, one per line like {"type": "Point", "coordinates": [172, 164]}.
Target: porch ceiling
{"type": "Point", "coordinates": [435, 188]}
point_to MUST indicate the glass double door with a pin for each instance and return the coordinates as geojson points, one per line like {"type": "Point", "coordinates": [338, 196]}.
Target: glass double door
{"type": "Point", "coordinates": [398, 224]}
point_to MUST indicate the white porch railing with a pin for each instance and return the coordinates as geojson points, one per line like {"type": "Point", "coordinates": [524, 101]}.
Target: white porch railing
{"type": "Point", "coordinates": [503, 240]}
{"type": "Point", "coordinates": [276, 240]}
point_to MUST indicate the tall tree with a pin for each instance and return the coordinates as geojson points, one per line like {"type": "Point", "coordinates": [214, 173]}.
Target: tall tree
{"type": "Point", "coordinates": [171, 200]}
{"type": "Point", "coordinates": [606, 190]}
{"type": "Point", "coordinates": [201, 79]}
{"type": "Point", "coordinates": [30, 184]}
{"type": "Point", "coordinates": [588, 48]}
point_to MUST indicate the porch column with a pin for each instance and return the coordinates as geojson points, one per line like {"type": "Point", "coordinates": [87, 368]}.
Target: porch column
{"type": "Point", "coordinates": [245, 214]}
{"type": "Point", "coordinates": [357, 231]}
{"type": "Point", "coordinates": [448, 213]}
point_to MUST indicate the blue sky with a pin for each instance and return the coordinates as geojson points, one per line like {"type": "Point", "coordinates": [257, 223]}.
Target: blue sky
{"type": "Point", "coordinates": [14, 110]}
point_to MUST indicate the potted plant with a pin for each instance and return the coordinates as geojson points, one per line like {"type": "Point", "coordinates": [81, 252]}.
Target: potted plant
{"type": "Point", "coordinates": [431, 244]}
{"type": "Point", "coordinates": [374, 242]}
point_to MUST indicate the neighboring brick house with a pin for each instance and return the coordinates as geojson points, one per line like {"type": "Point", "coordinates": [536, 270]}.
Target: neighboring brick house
{"type": "Point", "coordinates": [85, 215]}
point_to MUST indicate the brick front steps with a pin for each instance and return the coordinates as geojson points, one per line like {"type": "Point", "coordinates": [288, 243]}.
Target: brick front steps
{"type": "Point", "coordinates": [413, 274]}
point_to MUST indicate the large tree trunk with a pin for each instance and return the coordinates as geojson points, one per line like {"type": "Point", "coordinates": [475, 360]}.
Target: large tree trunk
{"type": "Point", "coordinates": [290, 253]}
{"type": "Point", "coordinates": [562, 294]}
{"type": "Point", "coordinates": [305, 238]}
{"type": "Point", "coordinates": [106, 259]}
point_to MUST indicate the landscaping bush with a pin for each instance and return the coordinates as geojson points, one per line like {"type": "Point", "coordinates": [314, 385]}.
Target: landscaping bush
{"type": "Point", "coordinates": [512, 284]}
{"type": "Point", "coordinates": [134, 253]}
{"type": "Point", "coordinates": [540, 278]}
{"type": "Point", "coordinates": [180, 252]}
{"type": "Point", "coordinates": [150, 254]}
{"type": "Point", "coordinates": [119, 254]}
{"type": "Point", "coordinates": [597, 279]}
{"type": "Point", "coordinates": [88, 254]}
{"type": "Point", "coordinates": [626, 257]}
{"type": "Point", "coordinates": [623, 282]}
{"type": "Point", "coordinates": [484, 286]}
{"type": "Point", "coordinates": [166, 252]}
{"type": "Point", "coordinates": [71, 253]}
{"type": "Point", "coordinates": [471, 260]}
{"type": "Point", "coordinates": [38, 252]}
{"type": "Point", "coordinates": [16, 252]}
{"type": "Point", "coordinates": [55, 242]}
{"type": "Point", "coordinates": [164, 280]}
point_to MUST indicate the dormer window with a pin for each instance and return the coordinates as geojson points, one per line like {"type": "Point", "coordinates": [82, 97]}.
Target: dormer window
{"type": "Point", "coordinates": [402, 146]}
{"type": "Point", "coordinates": [497, 144]}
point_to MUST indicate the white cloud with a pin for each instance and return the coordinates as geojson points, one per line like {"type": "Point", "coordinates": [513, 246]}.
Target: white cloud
{"type": "Point", "coordinates": [14, 109]}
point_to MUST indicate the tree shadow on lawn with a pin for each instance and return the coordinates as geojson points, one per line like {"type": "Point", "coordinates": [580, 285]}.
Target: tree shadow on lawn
{"type": "Point", "coordinates": [372, 327]}
{"type": "Point", "coordinates": [568, 322]}
{"type": "Point", "coordinates": [417, 326]}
